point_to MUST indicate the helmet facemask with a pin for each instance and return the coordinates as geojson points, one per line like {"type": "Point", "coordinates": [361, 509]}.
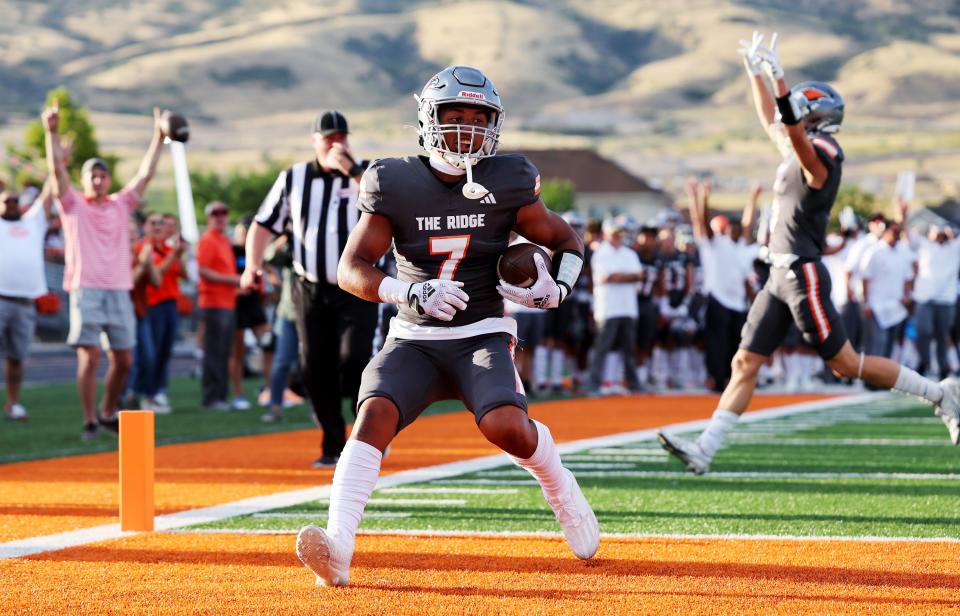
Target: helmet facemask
{"type": "Point", "coordinates": [433, 134]}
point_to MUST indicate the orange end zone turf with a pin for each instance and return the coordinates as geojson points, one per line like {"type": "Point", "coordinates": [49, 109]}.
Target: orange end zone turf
{"type": "Point", "coordinates": [50, 496]}
{"type": "Point", "coordinates": [223, 574]}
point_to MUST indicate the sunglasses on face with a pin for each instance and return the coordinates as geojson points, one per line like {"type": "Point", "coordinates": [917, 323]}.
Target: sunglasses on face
{"type": "Point", "coordinates": [218, 213]}
{"type": "Point", "coordinates": [11, 201]}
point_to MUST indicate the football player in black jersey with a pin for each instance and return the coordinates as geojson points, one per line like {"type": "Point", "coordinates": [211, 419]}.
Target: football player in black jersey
{"type": "Point", "coordinates": [449, 216]}
{"type": "Point", "coordinates": [801, 122]}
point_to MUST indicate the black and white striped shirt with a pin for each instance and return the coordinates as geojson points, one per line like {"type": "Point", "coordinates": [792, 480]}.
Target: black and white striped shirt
{"type": "Point", "coordinates": [321, 209]}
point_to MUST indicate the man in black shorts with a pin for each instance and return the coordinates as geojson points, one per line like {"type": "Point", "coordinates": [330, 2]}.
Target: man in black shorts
{"type": "Point", "coordinates": [798, 290]}
{"type": "Point", "coordinates": [450, 339]}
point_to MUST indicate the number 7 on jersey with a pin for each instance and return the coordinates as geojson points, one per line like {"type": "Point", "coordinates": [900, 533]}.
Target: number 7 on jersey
{"type": "Point", "coordinates": [455, 246]}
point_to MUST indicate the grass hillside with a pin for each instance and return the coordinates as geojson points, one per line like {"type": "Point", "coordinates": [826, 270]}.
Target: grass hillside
{"type": "Point", "coordinates": [656, 85]}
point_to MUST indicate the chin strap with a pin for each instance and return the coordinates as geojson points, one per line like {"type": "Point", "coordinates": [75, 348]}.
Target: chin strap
{"type": "Point", "coordinates": [441, 164]}
{"type": "Point", "coordinates": [472, 190]}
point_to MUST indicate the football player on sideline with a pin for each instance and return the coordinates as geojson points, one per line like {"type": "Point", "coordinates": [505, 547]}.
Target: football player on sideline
{"type": "Point", "coordinates": [449, 215]}
{"type": "Point", "coordinates": [798, 289]}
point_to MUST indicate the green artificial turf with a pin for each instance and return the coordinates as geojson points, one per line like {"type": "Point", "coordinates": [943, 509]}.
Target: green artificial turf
{"type": "Point", "coordinates": [637, 489]}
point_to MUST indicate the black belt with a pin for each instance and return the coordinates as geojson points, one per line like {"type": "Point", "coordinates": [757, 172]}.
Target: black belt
{"type": "Point", "coordinates": [23, 301]}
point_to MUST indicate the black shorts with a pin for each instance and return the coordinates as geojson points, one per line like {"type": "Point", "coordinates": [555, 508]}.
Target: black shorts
{"type": "Point", "coordinates": [414, 374]}
{"type": "Point", "coordinates": [250, 312]}
{"type": "Point", "coordinates": [647, 317]}
{"type": "Point", "coordinates": [799, 294]}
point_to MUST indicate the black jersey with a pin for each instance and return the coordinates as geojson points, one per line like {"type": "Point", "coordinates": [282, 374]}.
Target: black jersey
{"type": "Point", "coordinates": [650, 267]}
{"type": "Point", "coordinates": [801, 213]}
{"type": "Point", "coordinates": [674, 270]}
{"type": "Point", "coordinates": [439, 233]}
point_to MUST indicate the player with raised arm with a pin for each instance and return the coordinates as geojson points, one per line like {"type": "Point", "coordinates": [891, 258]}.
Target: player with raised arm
{"type": "Point", "coordinates": [449, 215]}
{"type": "Point", "coordinates": [801, 122]}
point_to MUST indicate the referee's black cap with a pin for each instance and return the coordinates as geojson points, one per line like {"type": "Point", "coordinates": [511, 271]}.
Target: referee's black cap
{"type": "Point", "coordinates": [330, 122]}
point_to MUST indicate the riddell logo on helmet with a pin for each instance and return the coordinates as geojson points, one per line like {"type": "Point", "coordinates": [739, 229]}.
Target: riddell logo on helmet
{"type": "Point", "coordinates": [476, 95]}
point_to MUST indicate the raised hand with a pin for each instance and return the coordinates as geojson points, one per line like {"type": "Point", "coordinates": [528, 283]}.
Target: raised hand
{"type": "Point", "coordinates": [768, 56]}
{"type": "Point", "coordinates": [748, 49]}
{"type": "Point", "coordinates": [51, 118]}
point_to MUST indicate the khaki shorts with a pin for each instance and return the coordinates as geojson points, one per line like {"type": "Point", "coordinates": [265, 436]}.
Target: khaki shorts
{"type": "Point", "coordinates": [101, 310]}
{"type": "Point", "coordinates": [17, 325]}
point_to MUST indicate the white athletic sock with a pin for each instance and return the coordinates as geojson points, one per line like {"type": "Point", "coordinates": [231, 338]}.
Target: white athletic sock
{"type": "Point", "coordinates": [353, 482]}
{"type": "Point", "coordinates": [910, 382]}
{"type": "Point", "coordinates": [541, 358]}
{"type": "Point", "coordinates": [545, 465]}
{"type": "Point", "coordinates": [612, 370]}
{"type": "Point", "coordinates": [557, 357]}
{"type": "Point", "coordinates": [717, 430]}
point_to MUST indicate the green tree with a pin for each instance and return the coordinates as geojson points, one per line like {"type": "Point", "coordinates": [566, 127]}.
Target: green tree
{"type": "Point", "coordinates": [558, 195]}
{"type": "Point", "coordinates": [29, 162]}
{"type": "Point", "coordinates": [863, 204]}
{"type": "Point", "coordinates": [242, 191]}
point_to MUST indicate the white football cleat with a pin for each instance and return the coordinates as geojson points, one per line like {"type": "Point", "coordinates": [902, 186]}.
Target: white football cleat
{"type": "Point", "coordinates": [319, 553]}
{"type": "Point", "coordinates": [576, 518]}
{"type": "Point", "coordinates": [688, 452]}
{"type": "Point", "coordinates": [949, 407]}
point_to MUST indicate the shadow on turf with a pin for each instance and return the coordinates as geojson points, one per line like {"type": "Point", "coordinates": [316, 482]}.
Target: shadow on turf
{"type": "Point", "coordinates": [880, 487]}
{"type": "Point", "coordinates": [568, 565]}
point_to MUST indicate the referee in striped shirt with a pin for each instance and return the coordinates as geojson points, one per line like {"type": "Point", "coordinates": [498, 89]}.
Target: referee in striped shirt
{"type": "Point", "coordinates": [315, 203]}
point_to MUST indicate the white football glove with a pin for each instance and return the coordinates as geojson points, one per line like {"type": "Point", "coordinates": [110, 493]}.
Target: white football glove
{"type": "Point", "coordinates": [437, 298]}
{"type": "Point", "coordinates": [769, 57]}
{"type": "Point", "coordinates": [545, 292]}
{"type": "Point", "coordinates": [748, 49]}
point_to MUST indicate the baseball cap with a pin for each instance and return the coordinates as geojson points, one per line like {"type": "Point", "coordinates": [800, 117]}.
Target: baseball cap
{"type": "Point", "coordinates": [214, 205]}
{"type": "Point", "coordinates": [877, 216]}
{"type": "Point", "coordinates": [92, 163]}
{"type": "Point", "coordinates": [330, 122]}
{"type": "Point", "coordinates": [615, 224]}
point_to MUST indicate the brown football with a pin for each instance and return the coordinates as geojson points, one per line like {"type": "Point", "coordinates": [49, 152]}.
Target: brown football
{"type": "Point", "coordinates": [174, 126]}
{"type": "Point", "coordinates": [516, 264]}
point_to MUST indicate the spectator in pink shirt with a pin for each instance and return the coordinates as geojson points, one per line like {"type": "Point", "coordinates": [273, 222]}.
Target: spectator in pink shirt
{"type": "Point", "coordinates": [98, 275]}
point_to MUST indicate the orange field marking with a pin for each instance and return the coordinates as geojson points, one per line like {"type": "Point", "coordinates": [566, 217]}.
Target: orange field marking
{"type": "Point", "coordinates": [218, 574]}
{"type": "Point", "coordinates": [136, 453]}
{"type": "Point", "coordinates": [50, 496]}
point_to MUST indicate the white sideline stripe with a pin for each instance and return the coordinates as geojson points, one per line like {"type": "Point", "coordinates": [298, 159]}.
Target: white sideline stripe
{"type": "Point", "coordinates": [547, 534]}
{"type": "Point", "coordinates": [627, 451]}
{"type": "Point", "coordinates": [749, 475]}
{"type": "Point", "coordinates": [599, 465]}
{"type": "Point", "coordinates": [806, 442]}
{"type": "Point", "coordinates": [323, 515]}
{"type": "Point", "coordinates": [257, 504]}
{"type": "Point", "coordinates": [416, 501]}
{"type": "Point", "coordinates": [446, 491]}
{"type": "Point", "coordinates": [489, 482]}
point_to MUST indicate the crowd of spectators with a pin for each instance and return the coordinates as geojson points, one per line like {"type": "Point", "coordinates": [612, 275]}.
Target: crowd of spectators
{"type": "Point", "coordinates": [660, 305]}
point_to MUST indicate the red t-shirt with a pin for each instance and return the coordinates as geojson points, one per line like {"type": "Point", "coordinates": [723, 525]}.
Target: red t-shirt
{"type": "Point", "coordinates": [215, 252]}
{"type": "Point", "coordinates": [170, 285]}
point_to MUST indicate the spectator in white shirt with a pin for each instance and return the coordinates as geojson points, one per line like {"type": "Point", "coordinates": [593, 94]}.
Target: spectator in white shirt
{"type": "Point", "coordinates": [887, 279]}
{"type": "Point", "coordinates": [727, 253]}
{"type": "Point", "coordinates": [852, 312]}
{"type": "Point", "coordinates": [615, 269]}
{"type": "Point", "coordinates": [22, 280]}
{"type": "Point", "coordinates": [935, 292]}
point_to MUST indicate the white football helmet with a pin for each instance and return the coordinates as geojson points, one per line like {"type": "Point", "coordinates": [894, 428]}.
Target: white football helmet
{"type": "Point", "coordinates": [463, 85]}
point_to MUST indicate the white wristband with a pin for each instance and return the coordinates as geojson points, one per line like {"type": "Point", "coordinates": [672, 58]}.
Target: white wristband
{"type": "Point", "coordinates": [393, 291]}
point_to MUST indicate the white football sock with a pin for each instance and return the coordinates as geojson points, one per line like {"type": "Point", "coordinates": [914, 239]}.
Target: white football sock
{"type": "Point", "coordinates": [353, 482]}
{"type": "Point", "coordinates": [541, 358]}
{"type": "Point", "coordinates": [557, 357]}
{"type": "Point", "coordinates": [717, 430]}
{"type": "Point", "coordinates": [612, 369]}
{"type": "Point", "coordinates": [910, 382]}
{"type": "Point", "coordinates": [545, 465]}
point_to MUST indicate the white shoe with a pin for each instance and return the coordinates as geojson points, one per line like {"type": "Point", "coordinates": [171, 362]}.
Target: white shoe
{"type": "Point", "coordinates": [153, 404]}
{"type": "Point", "coordinates": [576, 518]}
{"type": "Point", "coordinates": [949, 407]}
{"type": "Point", "coordinates": [688, 452]}
{"type": "Point", "coordinates": [16, 412]}
{"type": "Point", "coordinates": [319, 553]}
{"type": "Point", "coordinates": [161, 399]}
{"type": "Point", "coordinates": [240, 404]}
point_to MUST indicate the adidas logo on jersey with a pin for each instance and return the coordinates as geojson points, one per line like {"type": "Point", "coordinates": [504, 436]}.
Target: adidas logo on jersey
{"type": "Point", "coordinates": [488, 199]}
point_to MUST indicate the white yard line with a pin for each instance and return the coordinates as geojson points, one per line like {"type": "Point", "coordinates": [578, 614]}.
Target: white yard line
{"type": "Point", "coordinates": [323, 515]}
{"type": "Point", "coordinates": [446, 491]}
{"type": "Point", "coordinates": [426, 532]}
{"type": "Point", "coordinates": [257, 504]}
{"type": "Point", "coordinates": [743, 475]}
